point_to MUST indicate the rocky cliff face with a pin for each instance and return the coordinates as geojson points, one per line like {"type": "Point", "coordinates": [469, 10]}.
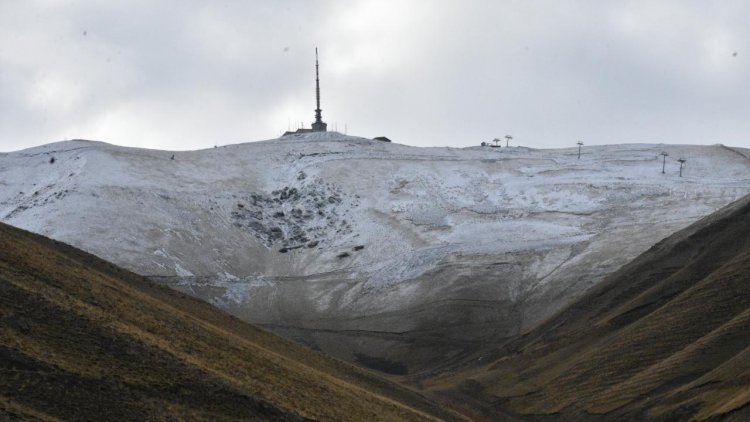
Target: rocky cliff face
{"type": "Point", "coordinates": [388, 255]}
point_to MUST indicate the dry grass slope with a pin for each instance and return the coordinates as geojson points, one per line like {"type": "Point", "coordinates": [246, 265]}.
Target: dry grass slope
{"type": "Point", "coordinates": [664, 338]}
{"type": "Point", "coordinates": [83, 339]}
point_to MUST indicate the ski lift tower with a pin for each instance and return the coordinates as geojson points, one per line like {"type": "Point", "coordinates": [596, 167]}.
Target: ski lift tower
{"type": "Point", "coordinates": [580, 143]}
{"type": "Point", "coordinates": [507, 138]}
{"type": "Point", "coordinates": [663, 161]}
{"type": "Point", "coordinates": [682, 163]}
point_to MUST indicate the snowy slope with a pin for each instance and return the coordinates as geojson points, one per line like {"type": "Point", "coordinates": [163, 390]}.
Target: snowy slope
{"type": "Point", "coordinates": [325, 233]}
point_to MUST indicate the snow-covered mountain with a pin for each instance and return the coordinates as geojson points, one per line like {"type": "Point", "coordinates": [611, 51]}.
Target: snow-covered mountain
{"type": "Point", "coordinates": [380, 253]}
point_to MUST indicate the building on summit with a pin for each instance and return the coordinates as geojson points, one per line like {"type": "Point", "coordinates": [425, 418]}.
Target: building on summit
{"type": "Point", "coordinates": [318, 125]}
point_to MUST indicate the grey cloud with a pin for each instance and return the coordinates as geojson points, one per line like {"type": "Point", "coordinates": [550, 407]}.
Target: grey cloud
{"type": "Point", "coordinates": [190, 74]}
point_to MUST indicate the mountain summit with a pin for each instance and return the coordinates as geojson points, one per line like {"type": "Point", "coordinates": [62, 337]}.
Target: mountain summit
{"type": "Point", "coordinates": [390, 256]}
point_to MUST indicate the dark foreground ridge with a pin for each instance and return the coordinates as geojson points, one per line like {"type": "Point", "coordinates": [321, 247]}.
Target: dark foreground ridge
{"type": "Point", "coordinates": [82, 339]}
{"type": "Point", "coordinates": [667, 337]}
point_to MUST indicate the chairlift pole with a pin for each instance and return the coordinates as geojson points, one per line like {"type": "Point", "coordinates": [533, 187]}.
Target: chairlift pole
{"type": "Point", "coordinates": [507, 138]}
{"type": "Point", "coordinates": [682, 162]}
{"type": "Point", "coordinates": [664, 161]}
{"type": "Point", "coordinates": [579, 149]}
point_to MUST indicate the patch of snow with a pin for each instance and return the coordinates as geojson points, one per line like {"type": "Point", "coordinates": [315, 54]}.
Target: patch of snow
{"type": "Point", "coordinates": [182, 272]}
{"type": "Point", "coordinates": [367, 213]}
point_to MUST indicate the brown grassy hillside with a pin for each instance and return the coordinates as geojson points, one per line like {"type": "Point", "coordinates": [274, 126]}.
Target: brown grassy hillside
{"type": "Point", "coordinates": [666, 337]}
{"type": "Point", "coordinates": [83, 339]}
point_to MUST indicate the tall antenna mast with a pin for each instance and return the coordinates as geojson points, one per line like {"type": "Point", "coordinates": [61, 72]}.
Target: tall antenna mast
{"type": "Point", "coordinates": [317, 89]}
{"type": "Point", "coordinates": [319, 125]}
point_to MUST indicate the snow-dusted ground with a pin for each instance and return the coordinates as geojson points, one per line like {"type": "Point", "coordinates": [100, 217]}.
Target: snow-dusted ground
{"type": "Point", "coordinates": [329, 232]}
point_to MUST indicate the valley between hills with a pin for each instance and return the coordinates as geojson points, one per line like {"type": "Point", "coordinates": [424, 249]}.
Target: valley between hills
{"type": "Point", "coordinates": [663, 338]}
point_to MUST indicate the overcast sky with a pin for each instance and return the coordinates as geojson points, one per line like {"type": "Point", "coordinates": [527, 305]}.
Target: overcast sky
{"type": "Point", "coordinates": [192, 74]}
